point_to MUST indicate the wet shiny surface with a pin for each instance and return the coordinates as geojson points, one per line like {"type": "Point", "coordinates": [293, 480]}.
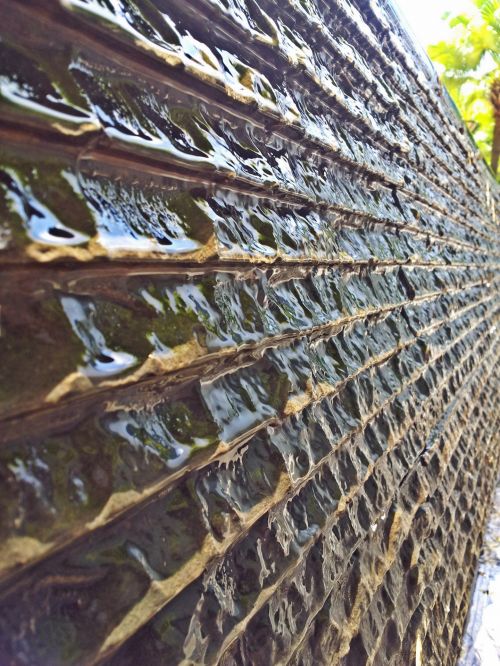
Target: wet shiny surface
{"type": "Point", "coordinates": [480, 643]}
{"type": "Point", "coordinates": [249, 360]}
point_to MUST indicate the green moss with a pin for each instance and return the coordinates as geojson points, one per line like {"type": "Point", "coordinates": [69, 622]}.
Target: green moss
{"type": "Point", "coordinates": [125, 328]}
{"type": "Point", "coordinates": [38, 348]}
{"type": "Point", "coordinates": [47, 184]}
{"type": "Point", "coordinates": [46, 66]}
{"type": "Point", "coordinates": [265, 231]}
{"type": "Point", "coordinates": [277, 386]}
{"type": "Point", "coordinates": [191, 123]}
{"type": "Point", "coordinates": [196, 223]}
{"type": "Point", "coordinates": [189, 418]}
{"type": "Point", "coordinates": [253, 319]}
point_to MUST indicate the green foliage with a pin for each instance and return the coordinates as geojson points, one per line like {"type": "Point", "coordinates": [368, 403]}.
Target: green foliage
{"type": "Point", "coordinates": [470, 61]}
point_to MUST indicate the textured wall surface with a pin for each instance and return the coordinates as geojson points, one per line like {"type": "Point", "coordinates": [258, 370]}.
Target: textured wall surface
{"type": "Point", "coordinates": [249, 402]}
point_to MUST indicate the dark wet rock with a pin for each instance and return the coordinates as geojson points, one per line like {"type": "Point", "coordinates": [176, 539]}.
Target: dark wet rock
{"type": "Point", "coordinates": [249, 347]}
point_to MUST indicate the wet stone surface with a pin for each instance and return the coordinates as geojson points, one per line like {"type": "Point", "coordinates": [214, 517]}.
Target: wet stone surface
{"type": "Point", "coordinates": [480, 642]}
{"type": "Point", "coordinates": [249, 314]}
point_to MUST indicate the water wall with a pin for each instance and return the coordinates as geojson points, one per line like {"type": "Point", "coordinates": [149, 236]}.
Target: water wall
{"type": "Point", "coordinates": [249, 292]}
